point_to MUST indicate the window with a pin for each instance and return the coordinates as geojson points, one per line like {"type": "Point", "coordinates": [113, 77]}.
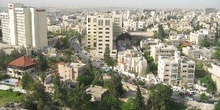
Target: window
{"type": "Point", "coordinates": [191, 66]}
{"type": "Point", "coordinates": [106, 28]}
{"type": "Point", "coordinates": [107, 22]}
{"type": "Point", "coordinates": [100, 44]}
{"type": "Point", "coordinates": [100, 47]}
{"type": "Point", "coordinates": [94, 20]}
{"type": "Point", "coordinates": [190, 71]}
{"type": "Point", "coordinates": [94, 32]}
{"type": "Point", "coordinates": [106, 36]}
{"type": "Point", "coordinates": [106, 40]}
{"type": "Point", "coordinates": [167, 64]}
{"type": "Point", "coordinates": [100, 52]}
{"type": "Point", "coordinates": [100, 28]}
{"type": "Point", "coordinates": [100, 32]}
{"type": "Point", "coordinates": [100, 22]}
{"type": "Point", "coordinates": [107, 32]}
{"type": "Point", "coordinates": [100, 40]}
{"type": "Point", "coordinates": [100, 36]}
{"type": "Point", "coordinates": [106, 44]}
{"type": "Point", "coordinates": [89, 20]}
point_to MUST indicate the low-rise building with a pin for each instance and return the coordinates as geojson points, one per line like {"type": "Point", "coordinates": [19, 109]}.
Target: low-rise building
{"type": "Point", "coordinates": [21, 65]}
{"type": "Point", "coordinates": [69, 72]}
{"type": "Point", "coordinates": [198, 36]}
{"type": "Point", "coordinates": [148, 42]}
{"type": "Point", "coordinates": [97, 93]}
{"type": "Point", "coordinates": [132, 61]}
{"type": "Point", "coordinates": [176, 70]}
{"type": "Point", "coordinates": [176, 40]}
{"type": "Point", "coordinates": [162, 50]}
{"type": "Point", "coordinates": [214, 70]}
{"type": "Point", "coordinates": [198, 52]}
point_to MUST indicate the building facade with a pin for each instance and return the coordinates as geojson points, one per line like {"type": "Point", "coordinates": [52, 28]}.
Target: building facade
{"type": "Point", "coordinates": [24, 26]}
{"type": "Point", "coordinates": [176, 70]}
{"type": "Point", "coordinates": [102, 30]}
{"type": "Point", "coordinates": [69, 72]}
{"type": "Point", "coordinates": [162, 50]}
{"type": "Point", "coordinates": [132, 61]}
{"type": "Point", "coordinates": [198, 36]}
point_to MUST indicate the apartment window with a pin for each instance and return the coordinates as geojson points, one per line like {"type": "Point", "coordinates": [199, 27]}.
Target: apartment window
{"type": "Point", "coordinates": [107, 32]}
{"type": "Point", "coordinates": [100, 47]}
{"type": "Point", "coordinates": [88, 28]}
{"type": "Point", "coordinates": [94, 32]}
{"type": "Point", "coordinates": [89, 39]}
{"type": "Point", "coordinates": [184, 66]}
{"type": "Point", "coordinates": [100, 32]}
{"type": "Point", "coordinates": [94, 44]}
{"type": "Point", "coordinates": [184, 71]}
{"type": "Point", "coordinates": [100, 52]}
{"type": "Point", "coordinates": [94, 20]}
{"type": "Point", "coordinates": [100, 28]}
{"type": "Point", "coordinates": [167, 70]}
{"type": "Point", "coordinates": [88, 42]}
{"type": "Point", "coordinates": [100, 36]}
{"type": "Point", "coordinates": [106, 28]}
{"type": "Point", "coordinates": [191, 66]}
{"type": "Point", "coordinates": [190, 71]}
{"type": "Point", "coordinates": [100, 44]}
{"type": "Point", "coordinates": [106, 44]}
{"type": "Point", "coordinates": [100, 40]}
{"type": "Point", "coordinates": [107, 22]}
{"type": "Point", "coordinates": [106, 36]}
{"type": "Point", "coordinates": [167, 64]}
{"type": "Point", "coordinates": [94, 25]}
{"type": "Point", "coordinates": [100, 22]}
{"type": "Point", "coordinates": [106, 40]}
{"type": "Point", "coordinates": [89, 20]}
{"type": "Point", "coordinates": [113, 52]}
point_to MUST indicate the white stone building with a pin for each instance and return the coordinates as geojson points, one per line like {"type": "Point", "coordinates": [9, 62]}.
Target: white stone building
{"type": "Point", "coordinates": [132, 61]}
{"type": "Point", "coordinates": [198, 52]}
{"type": "Point", "coordinates": [102, 30]}
{"type": "Point", "coordinates": [25, 26]}
{"type": "Point", "coordinates": [162, 50]}
{"type": "Point", "coordinates": [198, 36]}
{"type": "Point", "coordinates": [149, 42]}
{"type": "Point", "coordinates": [176, 70]}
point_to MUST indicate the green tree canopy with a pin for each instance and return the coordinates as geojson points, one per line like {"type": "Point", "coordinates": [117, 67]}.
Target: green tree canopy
{"type": "Point", "coordinates": [27, 81]}
{"type": "Point", "coordinates": [209, 84]}
{"type": "Point", "coordinates": [217, 106]}
{"type": "Point", "coordinates": [42, 64]}
{"type": "Point", "coordinates": [129, 105]}
{"type": "Point", "coordinates": [159, 97]}
{"type": "Point", "coordinates": [204, 97]}
{"type": "Point", "coordinates": [205, 43]}
{"type": "Point", "coordinates": [217, 53]}
{"type": "Point", "coordinates": [139, 100]}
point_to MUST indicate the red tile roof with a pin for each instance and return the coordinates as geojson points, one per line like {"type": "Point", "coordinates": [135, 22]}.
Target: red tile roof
{"type": "Point", "coordinates": [185, 44]}
{"type": "Point", "coordinates": [23, 61]}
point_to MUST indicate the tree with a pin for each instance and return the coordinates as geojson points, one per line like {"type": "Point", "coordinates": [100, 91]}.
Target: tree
{"type": "Point", "coordinates": [205, 43]}
{"type": "Point", "coordinates": [78, 99]}
{"type": "Point", "coordinates": [60, 91]}
{"type": "Point", "coordinates": [159, 97]}
{"type": "Point", "coordinates": [110, 103]}
{"type": "Point", "coordinates": [85, 79]}
{"type": "Point", "coordinates": [217, 106]}
{"type": "Point", "coordinates": [42, 64]}
{"type": "Point", "coordinates": [209, 84]}
{"type": "Point", "coordinates": [107, 55]}
{"type": "Point", "coordinates": [26, 81]}
{"type": "Point", "coordinates": [42, 77]}
{"type": "Point", "coordinates": [161, 34]}
{"type": "Point", "coordinates": [129, 105]}
{"type": "Point", "coordinates": [217, 53]}
{"type": "Point", "coordinates": [139, 100]}
{"type": "Point", "coordinates": [204, 97]}
{"type": "Point", "coordinates": [115, 86]}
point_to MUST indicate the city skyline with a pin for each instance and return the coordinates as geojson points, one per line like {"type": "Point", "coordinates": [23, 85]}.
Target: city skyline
{"type": "Point", "coordinates": [120, 3]}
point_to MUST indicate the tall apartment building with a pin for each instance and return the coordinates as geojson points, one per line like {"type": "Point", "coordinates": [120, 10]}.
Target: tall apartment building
{"type": "Point", "coordinates": [176, 70]}
{"type": "Point", "coordinates": [102, 30]}
{"type": "Point", "coordinates": [24, 26]}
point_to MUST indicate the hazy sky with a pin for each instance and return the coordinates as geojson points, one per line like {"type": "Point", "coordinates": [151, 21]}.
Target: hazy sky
{"type": "Point", "coordinates": [119, 3]}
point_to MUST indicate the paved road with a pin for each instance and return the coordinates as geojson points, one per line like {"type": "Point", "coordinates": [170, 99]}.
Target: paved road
{"type": "Point", "coordinates": [78, 48]}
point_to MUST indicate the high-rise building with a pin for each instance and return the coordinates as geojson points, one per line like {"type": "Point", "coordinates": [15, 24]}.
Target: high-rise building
{"type": "Point", "coordinates": [102, 30]}
{"type": "Point", "coordinates": [24, 26]}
